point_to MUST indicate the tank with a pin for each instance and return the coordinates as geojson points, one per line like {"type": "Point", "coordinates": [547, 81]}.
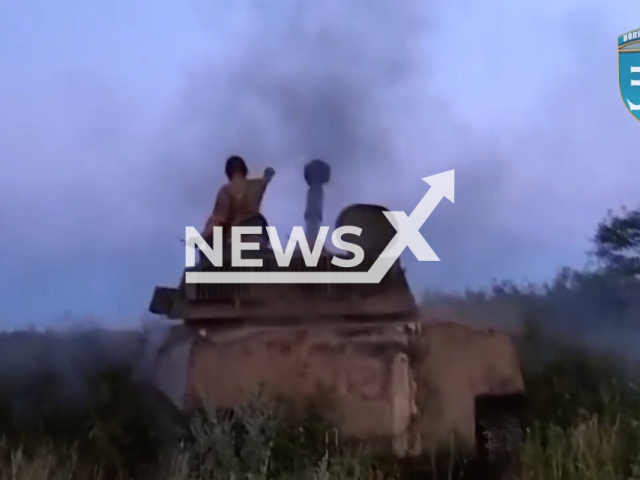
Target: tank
{"type": "Point", "coordinates": [382, 367]}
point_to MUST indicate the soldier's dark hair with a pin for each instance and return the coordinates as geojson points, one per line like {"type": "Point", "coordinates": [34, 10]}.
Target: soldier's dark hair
{"type": "Point", "coordinates": [235, 164]}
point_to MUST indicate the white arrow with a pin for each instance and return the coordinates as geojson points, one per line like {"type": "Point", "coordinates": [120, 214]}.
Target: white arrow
{"type": "Point", "coordinates": [408, 227]}
{"type": "Point", "coordinates": [442, 186]}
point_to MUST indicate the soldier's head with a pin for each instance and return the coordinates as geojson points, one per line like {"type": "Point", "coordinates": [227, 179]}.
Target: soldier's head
{"type": "Point", "coordinates": [235, 166]}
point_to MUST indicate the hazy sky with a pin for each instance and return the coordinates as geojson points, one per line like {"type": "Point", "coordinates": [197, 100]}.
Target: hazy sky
{"type": "Point", "coordinates": [116, 117]}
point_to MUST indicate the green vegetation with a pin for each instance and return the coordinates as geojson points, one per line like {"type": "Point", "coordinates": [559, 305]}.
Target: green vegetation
{"type": "Point", "coordinates": [584, 400]}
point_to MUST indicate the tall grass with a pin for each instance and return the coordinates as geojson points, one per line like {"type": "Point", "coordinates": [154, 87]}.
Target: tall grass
{"type": "Point", "coordinates": [255, 446]}
{"type": "Point", "coordinates": [584, 407]}
{"type": "Point", "coordinates": [580, 430]}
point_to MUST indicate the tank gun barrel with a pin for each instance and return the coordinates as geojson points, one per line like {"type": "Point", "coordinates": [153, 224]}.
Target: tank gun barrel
{"type": "Point", "coordinates": [316, 173]}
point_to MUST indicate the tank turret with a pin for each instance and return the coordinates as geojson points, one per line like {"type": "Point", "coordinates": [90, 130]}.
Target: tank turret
{"type": "Point", "coordinates": [257, 303]}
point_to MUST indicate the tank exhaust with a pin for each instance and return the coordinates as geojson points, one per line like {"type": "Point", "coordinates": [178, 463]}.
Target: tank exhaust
{"type": "Point", "coordinates": [316, 173]}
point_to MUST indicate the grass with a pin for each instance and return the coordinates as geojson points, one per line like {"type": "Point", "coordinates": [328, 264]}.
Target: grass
{"type": "Point", "coordinates": [584, 405]}
{"type": "Point", "coordinates": [585, 411]}
{"type": "Point", "coordinates": [249, 443]}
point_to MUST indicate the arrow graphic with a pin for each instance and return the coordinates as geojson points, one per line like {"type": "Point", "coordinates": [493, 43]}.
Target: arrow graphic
{"type": "Point", "coordinates": [407, 235]}
{"type": "Point", "coordinates": [408, 228]}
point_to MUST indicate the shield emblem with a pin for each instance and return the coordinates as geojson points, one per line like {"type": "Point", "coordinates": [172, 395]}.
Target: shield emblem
{"type": "Point", "coordinates": [629, 71]}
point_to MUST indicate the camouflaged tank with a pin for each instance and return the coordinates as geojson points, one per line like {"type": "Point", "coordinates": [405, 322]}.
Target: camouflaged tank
{"type": "Point", "coordinates": [385, 371]}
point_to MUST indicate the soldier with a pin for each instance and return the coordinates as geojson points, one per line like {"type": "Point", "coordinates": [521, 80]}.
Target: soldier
{"type": "Point", "coordinates": [238, 200]}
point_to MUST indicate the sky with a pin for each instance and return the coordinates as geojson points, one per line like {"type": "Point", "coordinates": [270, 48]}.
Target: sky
{"type": "Point", "coordinates": [117, 117]}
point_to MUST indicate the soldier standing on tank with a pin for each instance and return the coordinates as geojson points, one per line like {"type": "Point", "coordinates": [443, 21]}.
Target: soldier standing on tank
{"type": "Point", "coordinates": [236, 201]}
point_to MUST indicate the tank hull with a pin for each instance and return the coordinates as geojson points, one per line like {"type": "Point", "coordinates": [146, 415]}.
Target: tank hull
{"type": "Point", "coordinates": [407, 385]}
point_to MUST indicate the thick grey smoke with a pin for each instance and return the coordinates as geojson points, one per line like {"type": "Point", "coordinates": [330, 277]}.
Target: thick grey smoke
{"type": "Point", "coordinates": [378, 89]}
{"type": "Point", "coordinates": [347, 83]}
{"type": "Point", "coordinates": [321, 80]}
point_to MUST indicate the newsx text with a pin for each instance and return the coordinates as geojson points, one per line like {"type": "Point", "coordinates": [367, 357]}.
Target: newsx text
{"type": "Point", "coordinates": [283, 256]}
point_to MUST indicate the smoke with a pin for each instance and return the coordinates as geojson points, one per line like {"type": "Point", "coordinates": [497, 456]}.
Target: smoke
{"type": "Point", "coordinates": [40, 369]}
{"type": "Point", "coordinates": [386, 92]}
{"type": "Point", "coordinates": [43, 370]}
{"type": "Point", "coordinates": [348, 83]}
{"type": "Point", "coordinates": [319, 80]}
{"type": "Point", "coordinates": [355, 84]}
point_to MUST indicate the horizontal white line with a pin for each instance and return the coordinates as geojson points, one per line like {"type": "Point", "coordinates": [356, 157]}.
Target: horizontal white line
{"type": "Point", "coordinates": [282, 277]}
